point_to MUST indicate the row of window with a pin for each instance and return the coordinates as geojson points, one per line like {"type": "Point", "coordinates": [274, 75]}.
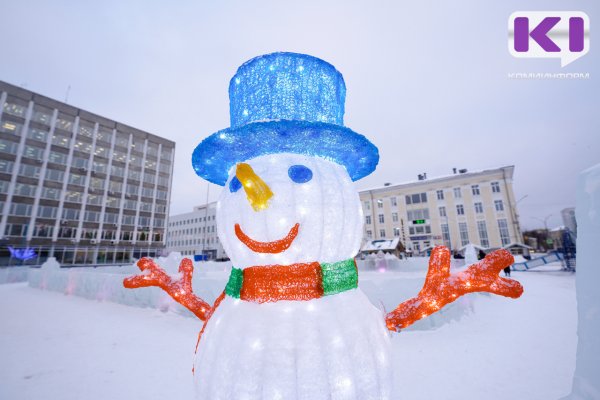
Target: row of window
{"type": "Point", "coordinates": [191, 231]}
{"type": "Point", "coordinates": [418, 198]}
{"type": "Point", "coordinates": [43, 115]}
{"type": "Point", "coordinates": [78, 163]}
{"type": "Point", "coordinates": [192, 221]}
{"type": "Point", "coordinates": [192, 242]}
{"type": "Point", "coordinates": [65, 232]}
{"type": "Point", "coordinates": [72, 214]}
{"type": "Point", "coordinates": [462, 229]}
{"type": "Point", "coordinates": [424, 212]}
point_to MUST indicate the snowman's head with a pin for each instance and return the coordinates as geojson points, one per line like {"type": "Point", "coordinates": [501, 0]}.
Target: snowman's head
{"type": "Point", "coordinates": [281, 209]}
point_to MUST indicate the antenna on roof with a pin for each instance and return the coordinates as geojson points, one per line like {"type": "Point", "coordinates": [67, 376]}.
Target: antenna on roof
{"type": "Point", "coordinates": [67, 94]}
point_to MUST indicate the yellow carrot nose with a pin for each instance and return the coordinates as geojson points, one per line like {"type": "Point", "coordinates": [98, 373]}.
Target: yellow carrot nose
{"type": "Point", "coordinates": [257, 191]}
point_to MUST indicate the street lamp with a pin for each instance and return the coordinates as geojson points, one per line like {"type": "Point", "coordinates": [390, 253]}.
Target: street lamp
{"type": "Point", "coordinates": [545, 221]}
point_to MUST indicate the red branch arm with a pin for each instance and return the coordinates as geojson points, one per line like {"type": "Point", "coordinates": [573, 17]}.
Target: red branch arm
{"type": "Point", "coordinates": [179, 289]}
{"type": "Point", "coordinates": [441, 288]}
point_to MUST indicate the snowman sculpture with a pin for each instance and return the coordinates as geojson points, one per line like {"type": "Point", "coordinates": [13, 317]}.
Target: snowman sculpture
{"type": "Point", "coordinates": [291, 322]}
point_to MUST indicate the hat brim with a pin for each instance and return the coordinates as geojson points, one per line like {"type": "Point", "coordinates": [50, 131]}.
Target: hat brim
{"type": "Point", "coordinates": [214, 156]}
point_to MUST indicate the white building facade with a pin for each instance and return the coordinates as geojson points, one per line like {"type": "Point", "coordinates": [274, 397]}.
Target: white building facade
{"type": "Point", "coordinates": [195, 233]}
{"type": "Point", "coordinates": [465, 207]}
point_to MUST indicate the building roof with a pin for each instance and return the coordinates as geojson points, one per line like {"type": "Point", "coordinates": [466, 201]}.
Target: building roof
{"type": "Point", "coordinates": [508, 168]}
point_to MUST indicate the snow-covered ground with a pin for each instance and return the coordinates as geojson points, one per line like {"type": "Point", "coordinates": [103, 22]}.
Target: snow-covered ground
{"type": "Point", "coordinates": [55, 346]}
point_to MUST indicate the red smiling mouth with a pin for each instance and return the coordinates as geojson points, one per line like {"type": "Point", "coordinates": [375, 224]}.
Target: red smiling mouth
{"type": "Point", "coordinates": [276, 246]}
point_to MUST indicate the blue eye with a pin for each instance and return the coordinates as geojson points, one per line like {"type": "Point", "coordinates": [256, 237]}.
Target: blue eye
{"type": "Point", "coordinates": [234, 185]}
{"type": "Point", "coordinates": [300, 173]}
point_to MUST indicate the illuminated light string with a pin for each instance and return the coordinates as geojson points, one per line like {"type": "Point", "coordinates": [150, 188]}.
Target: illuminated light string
{"type": "Point", "coordinates": [179, 289]}
{"type": "Point", "coordinates": [441, 288]}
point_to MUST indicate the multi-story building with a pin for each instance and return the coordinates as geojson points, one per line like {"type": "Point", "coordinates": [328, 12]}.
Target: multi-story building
{"type": "Point", "coordinates": [195, 233]}
{"type": "Point", "coordinates": [455, 210]}
{"type": "Point", "coordinates": [78, 186]}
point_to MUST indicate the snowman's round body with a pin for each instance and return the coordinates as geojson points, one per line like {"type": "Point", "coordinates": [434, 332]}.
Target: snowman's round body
{"type": "Point", "coordinates": [331, 347]}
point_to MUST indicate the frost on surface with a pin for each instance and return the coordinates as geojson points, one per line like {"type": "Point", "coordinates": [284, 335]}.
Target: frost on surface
{"type": "Point", "coordinates": [585, 382]}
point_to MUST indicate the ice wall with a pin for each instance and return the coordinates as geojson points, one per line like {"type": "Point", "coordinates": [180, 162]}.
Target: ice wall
{"type": "Point", "coordinates": [385, 290]}
{"type": "Point", "coordinates": [586, 382]}
{"type": "Point", "coordinates": [13, 274]}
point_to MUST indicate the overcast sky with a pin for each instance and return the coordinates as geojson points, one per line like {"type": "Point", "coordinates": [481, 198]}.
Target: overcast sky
{"type": "Point", "coordinates": [426, 81]}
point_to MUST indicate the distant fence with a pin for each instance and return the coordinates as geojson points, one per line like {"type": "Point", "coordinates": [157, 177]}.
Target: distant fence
{"type": "Point", "coordinates": [537, 262]}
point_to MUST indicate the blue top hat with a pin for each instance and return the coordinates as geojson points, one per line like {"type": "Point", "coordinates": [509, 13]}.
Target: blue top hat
{"type": "Point", "coordinates": [285, 103]}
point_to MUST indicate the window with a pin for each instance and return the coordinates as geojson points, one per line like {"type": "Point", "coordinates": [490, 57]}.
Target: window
{"type": "Point", "coordinates": [94, 200]}
{"type": "Point", "coordinates": [79, 162]}
{"type": "Point", "coordinates": [460, 210]}
{"type": "Point", "coordinates": [368, 220]}
{"type": "Point", "coordinates": [42, 230]}
{"type": "Point", "coordinates": [499, 205]}
{"type": "Point", "coordinates": [8, 147]}
{"type": "Point", "coordinates": [47, 212]}
{"type": "Point", "coordinates": [483, 236]}
{"type": "Point", "coordinates": [57, 158]}
{"type": "Point", "coordinates": [99, 167]}
{"type": "Point", "coordinates": [35, 153]}
{"type": "Point", "coordinates": [393, 201]}
{"type": "Point", "coordinates": [6, 166]}
{"type": "Point", "coordinates": [29, 171]}
{"type": "Point", "coordinates": [67, 232]}
{"type": "Point", "coordinates": [394, 217]}
{"type": "Point", "coordinates": [422, 213]}
{"type": "Point", "coordinates": [20, 209]}
{"type": "Point", "coordinates": [381, 219]}
{"type": "Point", "coordinates": [379, 203]}
{"type": "Point", "coordinates": [442, 211]}
{"type": "Point", "coordinates": [416, 198]}
{"type": "Point", "coordinates": [15, 109]}
{"type": "Point", "coordinates": [495, 187]}
{"type": "Point", "coordinates": [70, 213]}
{"type": "Point", "coordinates": [411, 230]}
{"type": "Point", "coordinates": [128, 219]}
{"type": "Point", "coordinates": [86, 128]}
{"type": "Point", "coordinates": [396, 232]}
{"type": "Point", "coordinates": [440, 194]}
{"type": "Point", "coordinates": [50, 193]}
{"type": "Point", "coordinates": [75, 179]}
{"type": "Point", "coordinates": [104, 134]}
{"type": "Point", "coordinates": [117, 171]}
{"type": "Point", "coordinates": [165, 154]}
{"type": "Point", "coordinates": [475, 190]}
{"type": "Point", "coordinates": [97, 183]}
{"type": "Point", "coordinates": [64, 122]}
{"type": "Point", "coordinates": [54, 175]}
{"type": "Point", "coordinates": [73, 197]}
{"type": "Point", "coordinates": [446, 235]}
{"type": "Point", "coordinates": [111, 218]}
{"type": "Point", "coordinates": [134, 175]}
{"type": "Point", "coordinates": [35, 134]}
{"type": "Point", "coordinates": [147, 192]}
{"type": "Point", "coordinates": [22, 189]}
{"type": "Point", "coordinates": [464, 233]}
{"type": "Point", "coordinates": [478, 208]}
{"type": "Point", "coordinates": [457, 193]}
{"type": "Point", "coordinates": [504, 235]}
{"type": "Point", "coordinates": [382, 233]}
{"type": "Point", "coordinates": [61, 140]}
{"type": "Point", "coordinates": [113, 202]}
{"type": "Point", "coordinates": [42, 114]}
